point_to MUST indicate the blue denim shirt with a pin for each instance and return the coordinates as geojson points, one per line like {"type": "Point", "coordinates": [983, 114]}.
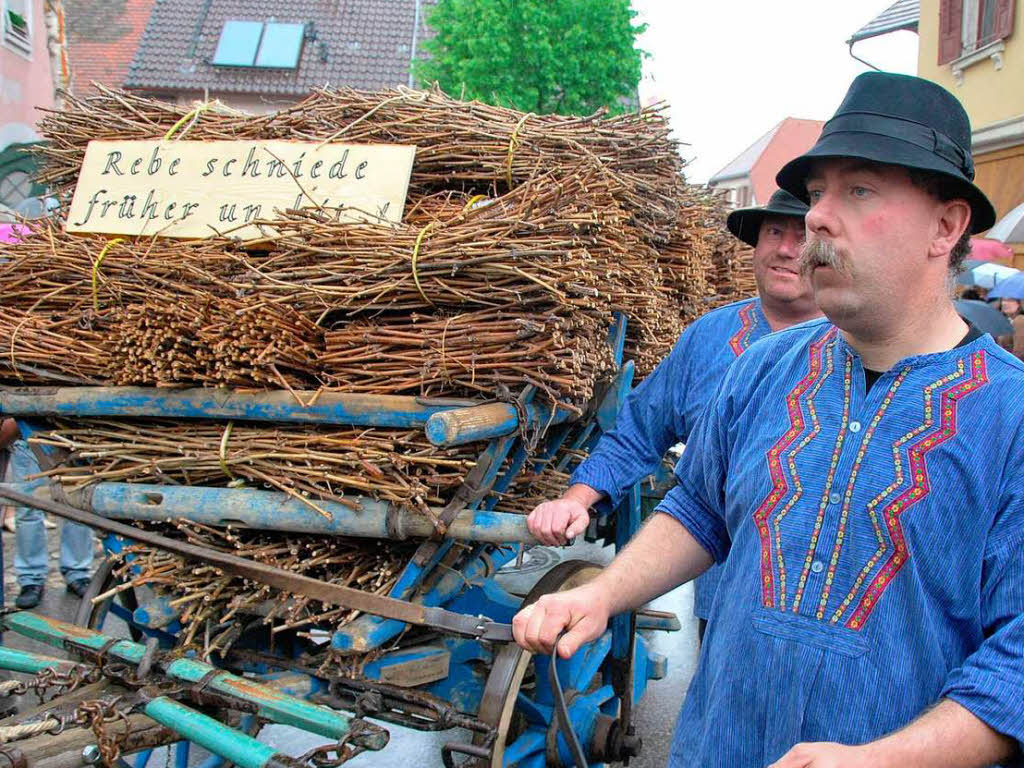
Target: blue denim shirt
{"type": "Point", "coordinates": [875, 546]}
{"type": "Point", "coordinates": [663, 409]}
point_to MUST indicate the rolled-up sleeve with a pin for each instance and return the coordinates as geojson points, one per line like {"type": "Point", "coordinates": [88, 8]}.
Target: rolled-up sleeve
{"type": "Point", "coordinates": [990, 682]}
{"type": "Point", "coordinates": [698, 499]}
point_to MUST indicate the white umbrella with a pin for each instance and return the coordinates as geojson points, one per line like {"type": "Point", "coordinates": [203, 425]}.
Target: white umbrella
{"type": "Point", "coordinates": [1010, 228]}
{"type": "Point", "coordinates": [985, 274]}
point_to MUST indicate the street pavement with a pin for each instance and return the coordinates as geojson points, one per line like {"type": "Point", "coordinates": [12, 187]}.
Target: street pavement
{"type": "Point", "coordinates": [655, 714]}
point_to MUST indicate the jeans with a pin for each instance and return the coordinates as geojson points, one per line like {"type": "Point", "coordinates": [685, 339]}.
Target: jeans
{"type": "Point", "coordinates": [30, 557]}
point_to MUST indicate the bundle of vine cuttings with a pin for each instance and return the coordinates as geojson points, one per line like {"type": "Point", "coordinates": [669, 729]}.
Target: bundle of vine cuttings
{"type": "Point", "coordinates": [549, 262]}
{"type": "Point", "coordinates": [460, 145]}
{"type": "Point", "coordinates": [309, 463]}
{"type": "Point", "coordinates": [213, 609]}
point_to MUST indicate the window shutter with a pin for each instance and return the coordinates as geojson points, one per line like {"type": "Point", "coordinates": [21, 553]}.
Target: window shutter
{"type": "Point", "coordinates": [1004, 18]}
{"type": "Point", "coordinates": [951, 14]}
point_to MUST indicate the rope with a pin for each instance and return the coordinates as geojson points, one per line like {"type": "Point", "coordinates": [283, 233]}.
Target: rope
{"type": "Point", "coordinates": [415, 257]}
{"type": "Point", "coordinates": [96, 271]}
{"type": "Point", "coordinates": [513, 144]}
{"type": "Point", "coordinates": [8, 687]}
{"type": "Point", "coordinates": [192, 115]}
{"type": "Point", "coordinates": [15, 732]}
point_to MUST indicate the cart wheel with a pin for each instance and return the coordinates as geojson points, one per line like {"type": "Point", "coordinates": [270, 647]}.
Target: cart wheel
{"type": "Point", "coordinates": [517, 698]}
{"type": "Point", "coordinates": [121, 605]}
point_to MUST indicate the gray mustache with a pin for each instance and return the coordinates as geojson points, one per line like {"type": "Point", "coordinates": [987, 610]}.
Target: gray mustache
{"type": "Point", "coordinates": [820, 253]}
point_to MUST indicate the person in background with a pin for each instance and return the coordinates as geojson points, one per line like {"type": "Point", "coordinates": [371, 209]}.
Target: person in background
{"type": "Point", "coordinates": [31, 556]}
{"type": "Point", "coordinates": [663, 409]}
{"type": "Point", "coordinates": [1014, 343]}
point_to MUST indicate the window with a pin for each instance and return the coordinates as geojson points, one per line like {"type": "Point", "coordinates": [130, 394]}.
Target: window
{"type": "Point", "coordinates": [18, 25]}
{"type": "Point", "coordinates": [266, 45]}
{"type": "Point", "coordinates": [967, 26]}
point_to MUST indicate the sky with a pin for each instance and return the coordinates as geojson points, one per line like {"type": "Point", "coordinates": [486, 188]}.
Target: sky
{"type": "Point", "coordinates": [732, 69]}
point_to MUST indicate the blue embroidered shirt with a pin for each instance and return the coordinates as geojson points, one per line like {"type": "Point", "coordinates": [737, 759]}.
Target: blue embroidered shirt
{"type": "Point", "coordinates": [663, 409]}
{"type": "Point", "coordinates": [875, 542]}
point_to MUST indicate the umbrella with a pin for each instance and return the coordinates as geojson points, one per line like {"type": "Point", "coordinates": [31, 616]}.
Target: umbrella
{"type": "Point", "coordinates": [984, 273]}
{"type": "Point", "coordinates": [1010, 228]}
{"type": "Point", "coordinates": [1010, 288]}
{"type": "Point", "coordinates": [985, 249]}
{"type": "Point", "coordinates": [984, 317]}
{"type": "Point", "coordinates": [11, 233]}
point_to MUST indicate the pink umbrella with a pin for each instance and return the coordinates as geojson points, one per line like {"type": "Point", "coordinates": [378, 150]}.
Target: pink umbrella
{"type": "Point", "coordinates": [12, 233]}
{"type": "Point", "coordinates": [986, 249]}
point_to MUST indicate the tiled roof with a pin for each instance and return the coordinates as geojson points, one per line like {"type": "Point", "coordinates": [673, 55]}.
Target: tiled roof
{"type": "Point", "coordinates": [101, 39]}
{"type": "Point", "coordinates": [359, 43]}
{"type": "Point", "coordinates": [902, 14]}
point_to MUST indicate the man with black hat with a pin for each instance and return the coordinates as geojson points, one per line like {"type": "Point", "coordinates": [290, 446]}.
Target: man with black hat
{"type": "Point", "coordinates": [663, 409]}
{"type": "Point", "coordinates": [864, 475]}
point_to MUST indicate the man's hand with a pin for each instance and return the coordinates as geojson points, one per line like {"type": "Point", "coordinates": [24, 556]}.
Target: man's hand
{"type": "Point", "coordinates": [583, 611]}
{"type": "Point", "coordinates": [824, 754]}
{"type": "Point", "coordinates": [555, 522]}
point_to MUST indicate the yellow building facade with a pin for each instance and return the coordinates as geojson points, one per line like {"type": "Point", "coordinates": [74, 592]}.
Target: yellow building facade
{"type": "Point", "coordinates": [975, 49]}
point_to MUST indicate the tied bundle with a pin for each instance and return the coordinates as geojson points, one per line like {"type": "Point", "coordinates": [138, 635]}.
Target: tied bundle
{"type": "Point", "coordinates": [211, 607]}
{"type": "Point", "coordinates": [309, 463]}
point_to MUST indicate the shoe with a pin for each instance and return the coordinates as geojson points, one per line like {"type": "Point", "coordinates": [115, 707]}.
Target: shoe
{"type": "Point", "coordinates": [30, 596]}
{"type": "Point", "coordinates": [78, 587]}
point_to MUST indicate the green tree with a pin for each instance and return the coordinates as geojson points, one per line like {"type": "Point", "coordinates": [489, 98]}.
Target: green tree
{"type": "Point", "coordinates": [563, 56]}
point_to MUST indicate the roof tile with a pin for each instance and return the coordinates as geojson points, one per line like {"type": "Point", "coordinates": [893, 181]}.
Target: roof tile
{"type": "Point", "coordinates": [182, 35]}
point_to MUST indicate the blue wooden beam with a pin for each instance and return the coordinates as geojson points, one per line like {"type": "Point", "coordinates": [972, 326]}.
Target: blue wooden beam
{"type": "Point", "coordinates": [273, 511]}
{"type": "Point", "coordinates": [280, 406]}
{"type": "Point", "coordinates": [486, 422]}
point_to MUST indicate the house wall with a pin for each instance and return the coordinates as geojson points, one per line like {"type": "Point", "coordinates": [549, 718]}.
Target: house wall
{"type": "Point", "coordinates": [988, 94]}
{"type": "Point", "coordinates": [994, 100]}
{"type": "Point", "coordinates": [25, 83]}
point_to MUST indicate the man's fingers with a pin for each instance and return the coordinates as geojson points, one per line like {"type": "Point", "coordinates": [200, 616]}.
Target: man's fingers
{"type": "Point", "coordinates": [557, 523]}
{"type": "Point", "coordinates": [580, 633]}
{"type": "Point", "coordinates": [577, 526]}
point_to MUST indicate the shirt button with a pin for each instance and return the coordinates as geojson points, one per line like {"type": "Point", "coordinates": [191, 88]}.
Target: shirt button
{"type": "Point", "coordinates": [817, 566]}
{"type": "Point", "coordinates": [855, 426]}
{"type": "Point", "coordinates": [835, 498]}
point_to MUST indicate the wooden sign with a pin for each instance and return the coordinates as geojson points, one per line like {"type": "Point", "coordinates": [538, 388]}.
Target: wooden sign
{"type": "Point", "coordinates": [206, 188]}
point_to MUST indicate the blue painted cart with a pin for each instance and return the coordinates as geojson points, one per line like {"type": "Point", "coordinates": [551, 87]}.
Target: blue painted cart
{"type": "Point", "coordinates": [436, 681]}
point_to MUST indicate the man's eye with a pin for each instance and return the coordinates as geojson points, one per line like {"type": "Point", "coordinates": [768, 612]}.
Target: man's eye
{"type": "Point", "coordinates": [861, 191]}
{"type": "Point", "coordinates": [814, 195]}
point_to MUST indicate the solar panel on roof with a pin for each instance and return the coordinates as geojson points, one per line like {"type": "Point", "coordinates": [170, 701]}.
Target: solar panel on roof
{"type": "Point", "coordinates": [239, 41]}
{"type": "Point", "coordinates": [281, 46]}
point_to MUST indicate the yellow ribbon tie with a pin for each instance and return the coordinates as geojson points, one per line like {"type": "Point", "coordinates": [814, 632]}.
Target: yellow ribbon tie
{"type": "Point", "coordinates": [96, 271]}
{"type": "Point", "coordinates": [415, 257]}
{"type": "Point", "coordinates": [224, 450]}
{"type": "Point", "coordinates": [513, 144]}
{"type": "Point", "coordinates": [193, 115]}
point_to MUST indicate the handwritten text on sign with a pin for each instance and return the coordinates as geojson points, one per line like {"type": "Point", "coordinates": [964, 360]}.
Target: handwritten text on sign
{"type": "Point", "coordinates": [202, 188]}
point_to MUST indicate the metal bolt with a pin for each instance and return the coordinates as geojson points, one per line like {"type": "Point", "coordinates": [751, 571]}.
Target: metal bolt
{"type": "Point", "coordinates": [91, 755]}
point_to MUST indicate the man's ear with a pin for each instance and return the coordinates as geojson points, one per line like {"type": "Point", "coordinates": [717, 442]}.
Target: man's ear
{"type": "Point", "coordinates": [954, 217]}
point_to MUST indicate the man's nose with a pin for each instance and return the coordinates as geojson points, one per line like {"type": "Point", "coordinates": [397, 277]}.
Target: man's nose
{"type": "Point", "coordinates": [792, 240]}
{"type": "Point", "coordinates": [821, 218]}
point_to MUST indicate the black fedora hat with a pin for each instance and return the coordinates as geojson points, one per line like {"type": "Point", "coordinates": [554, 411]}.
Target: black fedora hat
{"type": "Point", "coordinates": [745, 223]}
{"type": "Point", "coordinates": [899, 120]}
